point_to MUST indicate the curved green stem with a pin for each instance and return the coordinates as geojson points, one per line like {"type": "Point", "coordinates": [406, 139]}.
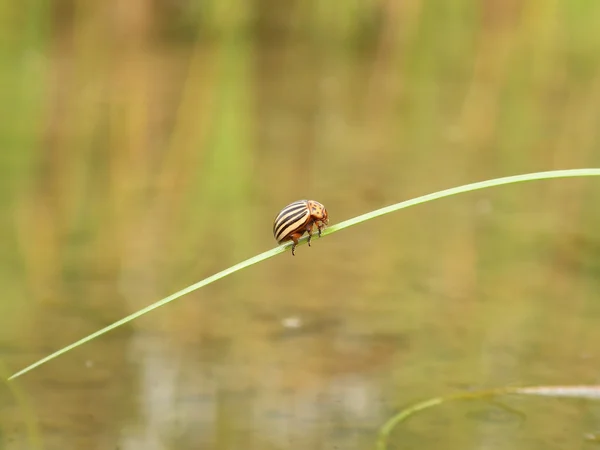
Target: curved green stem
{"type": "Point", "coordinates": [333, 229]}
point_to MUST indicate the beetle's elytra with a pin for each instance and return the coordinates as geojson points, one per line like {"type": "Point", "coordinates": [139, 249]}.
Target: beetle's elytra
{"type": "Point", "coordinates": [298, 218]}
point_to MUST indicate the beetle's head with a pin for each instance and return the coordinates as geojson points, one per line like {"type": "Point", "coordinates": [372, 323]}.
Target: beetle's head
{"type": "Point", "coordinates": [318, 211]}
{"type": "Point", "coordinates": [325, 218]}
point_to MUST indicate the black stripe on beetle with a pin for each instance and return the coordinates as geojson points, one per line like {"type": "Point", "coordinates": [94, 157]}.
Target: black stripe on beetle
{"type": "Point", "coordinates": [288, 217]}
{"type": "Point", "coordinates": [298, 218]}
{"type": "Point", "coordinates": [290, 222]}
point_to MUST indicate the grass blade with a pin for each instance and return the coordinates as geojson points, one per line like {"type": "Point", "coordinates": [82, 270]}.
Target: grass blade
{"type": "Point", "coordinates": [589, 392]}
{"type": "Point", "coordinates": [335, 228]}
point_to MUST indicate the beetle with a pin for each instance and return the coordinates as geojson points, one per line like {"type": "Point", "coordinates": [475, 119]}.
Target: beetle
{"type": "Point", "coordinates": [298, 218]}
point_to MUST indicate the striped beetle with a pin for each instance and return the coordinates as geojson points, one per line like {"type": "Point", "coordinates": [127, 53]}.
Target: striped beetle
{"type": "Point", "coordinates": [296, 219]}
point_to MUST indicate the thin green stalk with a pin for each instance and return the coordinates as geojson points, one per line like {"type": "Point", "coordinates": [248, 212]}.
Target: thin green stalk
{"type": "Point", "coordinates": [335, 228]}
{"type": "Point", "coordinates": [591, 392]}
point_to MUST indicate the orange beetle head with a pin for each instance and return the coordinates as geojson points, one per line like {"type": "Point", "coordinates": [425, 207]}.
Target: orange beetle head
{"type": "Point", "coordinates": [318, 211]}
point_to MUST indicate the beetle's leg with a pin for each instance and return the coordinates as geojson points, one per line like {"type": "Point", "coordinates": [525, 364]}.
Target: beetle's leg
{"type": "Point", "coordinates": [295, 240]}
{"type": "Point", "coordinates": [320, 227]}
{"type": "Point", "coordinates": [309, 231]}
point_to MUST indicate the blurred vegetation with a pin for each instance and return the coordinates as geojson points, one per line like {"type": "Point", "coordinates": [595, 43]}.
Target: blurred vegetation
{"type": "Point", "coordinates": [111, 101]}
{"type": "Point", "coordinates": [146, 144]}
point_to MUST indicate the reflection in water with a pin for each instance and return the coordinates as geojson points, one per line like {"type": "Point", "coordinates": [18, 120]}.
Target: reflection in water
{"type": "Point", "coordinates": [156, 394]}
{"type": "Point", "coordinates": [270, 400]}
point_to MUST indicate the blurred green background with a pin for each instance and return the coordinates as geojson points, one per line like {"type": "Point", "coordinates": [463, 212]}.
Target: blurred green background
{"type": "Point", "coordinates": [145, 145]}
